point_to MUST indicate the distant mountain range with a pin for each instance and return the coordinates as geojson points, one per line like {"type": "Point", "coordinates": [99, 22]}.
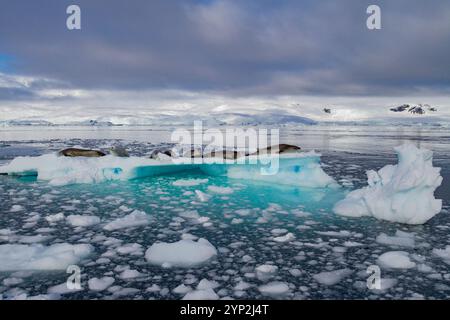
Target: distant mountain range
{"type": "Point", "coordinates": [419, 109]}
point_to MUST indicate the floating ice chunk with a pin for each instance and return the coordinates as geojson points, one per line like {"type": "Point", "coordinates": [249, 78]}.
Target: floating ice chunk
{"type": "Point", "coordinates": [203, 197]}
{"type": "Point", "coordinates": [130, 274]}
{"type": "Point", "coordinates": [189, 182]}
{"type": "Point", "coordinates": [401, 239]}
{"type": "Point", "coordinates": [184, 253]}
{"type": "Point", "coordinates": [278, 231]}
{"type": "Point", "coordinates": [338, 234]}
{"type": "Point", "coordinates": [220, 190]}
{"type": "Point", "coordinates": [130, 248]}
{"type": "Point", "coordinates": [265, 271]}
{"type": "Point", "coordinates": [182, 289]}
{"type": "Point", "coordinates": [330, 278]}
{"type": "Point", "coordinates": [82, 220]}
{"type": "Point", "coordinates": [286, 238]}
{"type": "Point", "coordinates": [16, 208]}
{"type": "Point", "coordinates": [399, 193]}
{"type": "Point", "coordinates": [38, 257]}
{"type": "Point", "coordinates": [134, 219]}
{"type": "Point", "coordinates": [63, 288]}
{"type": "Point", "coordinates": [207, 284]}
{"type": "Point", "coordinates": [34, 239]}
{"type": "Point", "coordinates": [207, 294]}
{"type": "Point", "coordinates": [396, 260]}
{"type": "Point", "coordinates": [100, 284]}
{"type": "Point", "coordinates": [443, 253]}
{"type": "Point", "coordinates": [55, 217]}
{"type": "Point", "coordinates": [242, 286]}
{"type": "Point", "coordinates": [274, 289]}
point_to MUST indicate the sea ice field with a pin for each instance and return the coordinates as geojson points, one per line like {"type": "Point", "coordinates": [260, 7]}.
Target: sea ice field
{"type": "Point", "coordinates": [190, 235]}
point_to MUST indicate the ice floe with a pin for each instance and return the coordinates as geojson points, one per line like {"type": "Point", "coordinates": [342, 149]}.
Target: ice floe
{"type": "Point", "coordinates": [274, 289]}
{"type": "Point", "coordinates": [398, 193]}
{"type": "Point", "coordinates": [396, 260]}
{"type": "Point", "coordinates": [330, 278]}
{"type": "Point", "coordinates": [183, 253]}
{"type": "Point", "coordinates": [443, 254]}
{"type": "Point", "coordinates": [39, 257]}
{"type": "Point", "coordinates": [82, 220]}
{"type": "Point", "coordinates": [100, 284]}
{"type": "Point", "coordinates": [134, 219]}
{"type": "Point", "coordinates": [299, 169]}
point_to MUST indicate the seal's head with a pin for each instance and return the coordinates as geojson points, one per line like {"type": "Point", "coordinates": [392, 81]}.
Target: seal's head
{"type": "Point", "coordinates": [119, 151]}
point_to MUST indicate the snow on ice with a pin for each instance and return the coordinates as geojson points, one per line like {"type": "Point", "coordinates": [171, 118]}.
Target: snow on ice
{"type": "Point", "coordinates": [398, 193]}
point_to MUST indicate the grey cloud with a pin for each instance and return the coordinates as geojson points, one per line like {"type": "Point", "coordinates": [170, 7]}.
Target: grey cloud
{"type": "Point", "coordinates": [234, 47]}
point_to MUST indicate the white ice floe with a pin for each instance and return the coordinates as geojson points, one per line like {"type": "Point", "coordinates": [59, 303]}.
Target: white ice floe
{"type": "Point", "coordinates": [77, 220]}
{"type": "Point", "coordinates": [330, 278]}
{"type": "Point", "coordinates": [100, 284]}
{"type": "Point", "coordinates": [220, 190]}
{"type": "Point", "coordinates": [182, 289]}
{"type": "Point", "coordinates": [207, 284]}
{"type": "Point", "coordinates": [274, 289]}
{"type": "Point", "coordinates": [286, 238]}
{"type": "Point", "coordinates": [401, 239]}
{"type": "Point", "coordinates": [207, 294]}
{"type": "Point", "coordinates": [134, 219]}
{"type": "Point", "coordinates": [443, 254]}
{"type": "Point", "coordinates": [130, 274]}
{"type": "Point", "coordinates": [55, 217]}
{"type": "Point", "coordinates": [203, 197]}
{"type": "Point", "coordinates": [299, 169]}
{"type": "Point", "coordinates": [63, 288]}
{"type": "Point", "coordinates": [266, 271]}
{"type": "Point", "coordinates": [183, 253]}
{"type": "Point", "coordinates": [38, 257]}
{"type": "Point", "coordinates": [189, 182]}
{"type": "Point", "coordinates": [396, 260]}
{"type": "Point", "coordinates": [399, 193]}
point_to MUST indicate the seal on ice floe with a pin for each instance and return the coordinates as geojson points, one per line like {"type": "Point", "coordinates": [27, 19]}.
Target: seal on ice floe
{"type": "Point", "coordinates": [74, 152]}
{"type": "Point", "coordinates": [119, 151]}
{"type": "Point", "coordinates": [227, 155]}
{"type": "Point", "coordinates": [278, 149]}
{"type": "Point", "coordinates": [155, 153]}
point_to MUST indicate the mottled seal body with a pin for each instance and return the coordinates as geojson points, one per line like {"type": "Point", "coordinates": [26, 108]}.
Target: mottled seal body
{"type": "Point", "coordinates": [278, 149]}
{"type": "Point", "coordinates": [74, 152]}
{"type": "Point", "coordinates": [119, 151]}
{"type": "Point", "coordinates": [227, 155]}
{"type": "Point", "coordinates": [155, 153]}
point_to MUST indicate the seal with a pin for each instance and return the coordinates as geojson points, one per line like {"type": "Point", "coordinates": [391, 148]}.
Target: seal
{"type": "Point", "coordinates": [155, 153]}
{"type": "Point", "coordinates": [119, 151]}
{"type": "Point", "coordinates": [278, 149]}
{"type": "Point", "coordinates": [74, 152]}
{"type": "Point", "coordinates": [227, 155]}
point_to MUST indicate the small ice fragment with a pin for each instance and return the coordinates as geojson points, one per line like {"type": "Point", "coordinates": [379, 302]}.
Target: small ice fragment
{"type": "Point", "coordinates": [134, 219]}
{"type": "Point", "coordinates": [396, 260]}
{"type": "Point", "coordinates": [82, 220]}
{"type": "Point", "coordinates": [330, 278]}
{"type": "Point", "coordinates": [100, 284]}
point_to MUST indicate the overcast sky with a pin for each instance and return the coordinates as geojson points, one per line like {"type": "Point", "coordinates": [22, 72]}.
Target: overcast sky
{"type": "Point", "coordinates": [146, 57]}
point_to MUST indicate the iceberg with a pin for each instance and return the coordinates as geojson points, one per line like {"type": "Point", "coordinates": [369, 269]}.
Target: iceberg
{"type": "Point", "coordinates": [401, 193]}
{"type": "Point", "coordinates": [297, 169]}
